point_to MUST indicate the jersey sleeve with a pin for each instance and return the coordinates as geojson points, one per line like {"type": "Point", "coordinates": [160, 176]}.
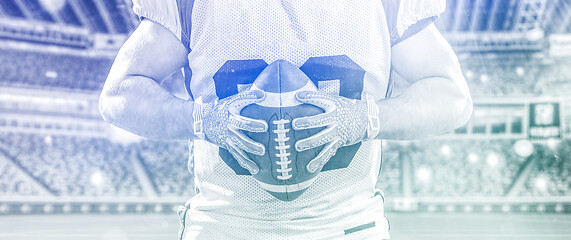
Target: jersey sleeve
{"type": "Point", "coordinates": [164, 12]}
{"type": "Point", "coordinates": [407, 17]}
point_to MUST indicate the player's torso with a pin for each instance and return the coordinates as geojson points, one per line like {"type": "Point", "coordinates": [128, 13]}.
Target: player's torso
{"type": "Point", "coordinates": [250, 34]}
{"type": "Point", "coordinates": [344, 49]}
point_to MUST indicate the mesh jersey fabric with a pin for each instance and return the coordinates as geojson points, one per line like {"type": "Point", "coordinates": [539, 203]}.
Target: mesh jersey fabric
{"type": "Point", "coordinates": [332, 36]}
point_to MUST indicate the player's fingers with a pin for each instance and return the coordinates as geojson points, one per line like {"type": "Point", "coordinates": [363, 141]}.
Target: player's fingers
{"type": "Point", "coordinates": [323, 137]}
{"type": "Point", "coordinates": [248, 124]}
{"type": "Point", "coordinates": [243, 99]}
{"type": "Point", "coordinates": [247, 144]}
{"type": "Point", "coordinates": [319, 120]}
{"type": "Point", "coordinates": [323, 157]}
{"type": "Point", "coordinates": [243, 159]}
{"type": "Point", "coordinates": [317, 99]}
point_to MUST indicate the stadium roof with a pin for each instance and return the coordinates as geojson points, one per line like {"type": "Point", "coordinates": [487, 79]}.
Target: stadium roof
{"type": "Point", "coordinates": [469, 25]}
{"type": "Point", "coordinates": [115, 16]}
{"type": "Point", "coordinates": [552, 16]}
{"type": "Point", "coordinates": [101, 16]}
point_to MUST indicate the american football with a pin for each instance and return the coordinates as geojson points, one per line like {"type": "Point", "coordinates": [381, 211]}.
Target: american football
{"type": "Point", "coordinates": [282, 169]}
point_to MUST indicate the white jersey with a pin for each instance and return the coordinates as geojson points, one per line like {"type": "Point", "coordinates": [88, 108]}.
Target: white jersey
{"type": "Point", "coordinates": [344, 47]}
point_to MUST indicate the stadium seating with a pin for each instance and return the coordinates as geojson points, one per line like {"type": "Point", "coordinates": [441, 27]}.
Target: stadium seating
{"type": "Point", "coordinates": [496, 79]}
{"type": "Point", "coordinates": [166, 163]}
{"type": "Point", "coordinates": [52, 71]}
{"type": "Point", "coordinates": [74, 166]}
{"type": "Point", "coordinates": [12, 183]}
{"type": "Point", "coordinates": [81, 166]}
{"type": "Point", "coordinates": [390, 178]}
{"type": "Point", "coordinates": [465, 168]}
{"type": "Point", "coordinates": [551, 172]}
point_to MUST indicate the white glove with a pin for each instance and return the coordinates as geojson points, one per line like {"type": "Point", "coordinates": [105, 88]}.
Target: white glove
{"type": "Point", "coordinates": [220, 123]}
{"type": "Point", "coordinates": [346, 122]}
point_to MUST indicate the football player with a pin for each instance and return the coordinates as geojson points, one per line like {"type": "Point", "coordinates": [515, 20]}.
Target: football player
{"type": "Point", "coordinates": [347, 48]}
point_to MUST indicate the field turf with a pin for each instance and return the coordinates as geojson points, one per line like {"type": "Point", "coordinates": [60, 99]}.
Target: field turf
{"type": "Point", "coordinates": [404, 226]}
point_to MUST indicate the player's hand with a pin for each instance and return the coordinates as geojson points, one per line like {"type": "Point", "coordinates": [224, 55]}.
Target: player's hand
{"type": "Point", "coordinates": [345, 120]}
{"type": "Point", "coordinates": [223, 122]}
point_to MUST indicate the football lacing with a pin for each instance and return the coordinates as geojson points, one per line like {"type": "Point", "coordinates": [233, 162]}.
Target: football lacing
{"type": "Point", "coordinates": [282, 148]}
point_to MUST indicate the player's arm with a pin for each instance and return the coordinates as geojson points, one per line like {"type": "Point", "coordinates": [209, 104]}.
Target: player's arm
{"type": "Point", "coordinates": [132, 98]}
{"type": "Point", "coordinates": [438, 99]}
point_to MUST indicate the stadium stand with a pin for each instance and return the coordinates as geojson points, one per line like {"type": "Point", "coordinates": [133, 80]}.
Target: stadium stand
{"type": "Point", "coordinates": [166, 164]}
{"type": "Point", "coordinates": [390, 177]}
{"type": "Point", "coordinates": [52, 71]}
{"type": "Point", "coordinates": [554, 79]}
{"type": "Point", "coordinates": [74, 166]}
{"type": "Point", "coordinates": [462, 168]}
{"type": "Point", "coordinates": [82, 166]}
{"type": "Point", "coordinates": [496, 78]}
{"type": "Point", "coordinates": [12, 183]}
{"type": "Point", "coordinates": [551, 175]}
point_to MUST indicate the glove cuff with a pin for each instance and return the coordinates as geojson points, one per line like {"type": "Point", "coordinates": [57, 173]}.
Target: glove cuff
{"type": "Point", "coordinates": [374, 124]}
{"type": "Point", "coordinates": [197, 116]}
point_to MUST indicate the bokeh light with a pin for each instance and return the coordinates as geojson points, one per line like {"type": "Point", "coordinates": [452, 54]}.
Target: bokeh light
{"type": "Point", "coordinates": [523, 148]}
{"type": "Point", "coordinates": [541, 183]}
{"type": "Point", "coordinates": [484, 78]}
{"type": "Point", "coordinates": [473, 158]}
{"type": "Point", "coordinates": [423, 174]}
{"type": "Point", "coordinates": [553, 143]}
{"type": "Point", "coordinates": [53, 6]}
{"type": "Point", "coordinates": [97, 178]}
{"type": "Point", "coordinates": [445, 150]}
{"type": "Point", "coordinates": [493, 160]}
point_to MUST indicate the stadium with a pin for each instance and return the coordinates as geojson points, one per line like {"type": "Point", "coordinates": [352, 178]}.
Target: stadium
{"type": "Point", "coordinates": [66, 174]}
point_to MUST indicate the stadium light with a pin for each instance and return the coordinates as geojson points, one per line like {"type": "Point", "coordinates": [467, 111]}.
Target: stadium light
{"type": "Point", "coordinates": [423, 174]}
{"type": "Point", "coordinates": [540, 208]}
{"type": "Point", "coordinates": [559, 208]}
{"type": "Point", "coordinates": [4, 208]}
{"type": "Point", "coordinates": [473, 158]}
{"type": "Point", "coordinates": [26, 208]}
{"type": "Point", "coordinates": [468, 208]}
{"type": "Point", "coordinates": [541, 183]}
{"type": "Point", "coordinates": [506, 208]}
{"type": "Point", "coordinates": [520, 71]}
{"type": "Point", "coordinates": [48, 208]}
{"type": "Point", "coordinates": [431, 208]}
{"type": "Point", "coordinates": [484, 78]}
{"type": "Point", "coordinates": [51, 74]}
{"type": "Point", "coordinates": [158, 208]}
{"type": "Point", "coordinates": [487, 208]}
{"type": "Point", "coordinates": [85, 208]}
{"type": "Point", "coordinates": [121, 208]}
{"type": "Point", "coordinates": [103, 208]}
{"type": "Point", "coordinates": [139, 208]}
{"type": "Point", "coordinates": [97, 178]}
{"type": "Point", "coordinates": [469, 74]}
{"type": "Point", "coordinates": [66, 208]}
{"type": "Point", "coordinates": [445, 150]}
{"type": "Point", "coordinates": [450, 208]}
{"type": "Point", "coordinates": [535, 34]}
{"type": "Point", "coordinates": [523, 148]}
{"type": "Point", "coordinates": [48, 140]}
{"type": "Point", "coordinates": [553, 143]}
{"type": "Point", "coordinates": [53, 6]}
{"type": "Point", "coordinates": [493, 160]}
